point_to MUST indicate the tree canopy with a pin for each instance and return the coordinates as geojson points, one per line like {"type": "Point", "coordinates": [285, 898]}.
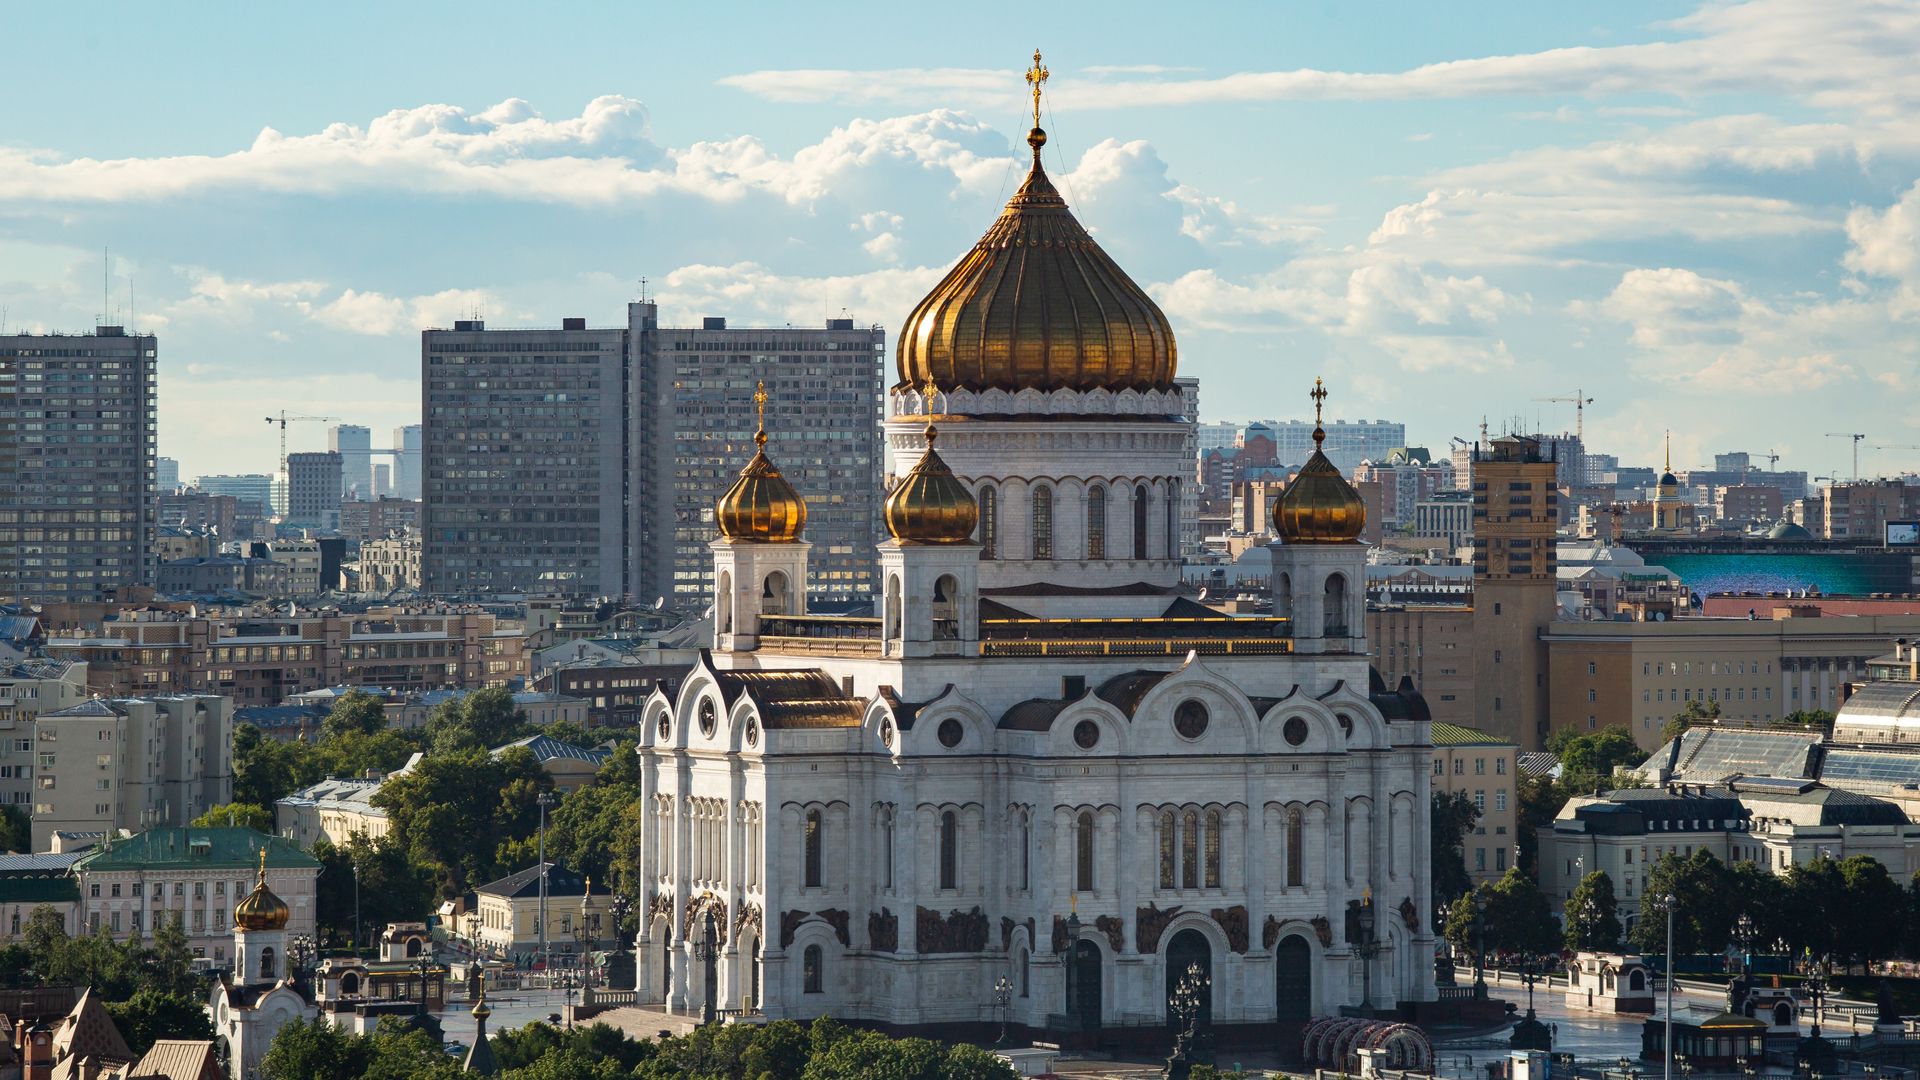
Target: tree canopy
{"type": "Point", "coordinates": [1515, 917]}
{"type": "Point", "coordinates": [1453, 818]}
{"type": "Point", "coordinates": [1591, 917]}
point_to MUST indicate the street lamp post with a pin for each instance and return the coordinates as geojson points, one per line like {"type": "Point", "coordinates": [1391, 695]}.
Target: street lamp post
{"type": "Point", "coordinates": [1002, 996]}
{"type": "Point", "coordinates": [1480, 946]}
{"type": "Point", "coordinates": [1073, 990]}
{"type": "Point", "coordinates": [707, 951]}
{"type": "Point", "coordinates": [1189, 994]}
{"type": "Point", "coordinates": [546, 801]}
{"type": "Point", "coordinates": [356, 909]}
{"type": "Point", "coordinates": [1368, 948]}
{"type": "Point", "coordinates": [1666, 903]}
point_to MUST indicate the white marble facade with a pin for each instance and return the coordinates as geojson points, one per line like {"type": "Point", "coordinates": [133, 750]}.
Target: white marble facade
{"type": "Point", "coordinates": [891, 814]}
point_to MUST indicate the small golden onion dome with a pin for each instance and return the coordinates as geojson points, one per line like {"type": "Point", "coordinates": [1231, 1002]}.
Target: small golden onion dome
{"type": "Point", "coordinates": [930, 505]}
{"type": "Point", "coordinates": [261, 909]}
{"type": "Point", "coordinates": [1319, 506]}
{"type": "Point", "coordinates": [1037, 305]}
{"type": "Point", "coordinates": [761, 507]}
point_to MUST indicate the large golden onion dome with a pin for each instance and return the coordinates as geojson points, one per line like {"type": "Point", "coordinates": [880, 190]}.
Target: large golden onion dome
{"type": "Point", "coordinates": [1037, 305]}
{"type": "Point", "coordinates": [761, 507]}
{"type": "Point", "coordinates": [1319, 506]}
{"type": "Point", "coordinates": [261, 909]}
{"type": "Point", "coordinates": [930, 505]}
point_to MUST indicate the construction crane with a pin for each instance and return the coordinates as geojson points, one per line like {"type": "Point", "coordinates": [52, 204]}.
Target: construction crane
{"type": "Point", "coordinates": [1856, 436]}
{"type": "Point", "coordinates": [283, 420]}
{"type": "Point", "coordinates": [1580, 401]}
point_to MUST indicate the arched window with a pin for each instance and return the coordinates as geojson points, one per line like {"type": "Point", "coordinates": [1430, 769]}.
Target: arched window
{"type": "Point", "coordinates": [946, 610]}
{"type": "Point", "coordinates": [413, 947]}
{"type": "Point", "coordinates": [1296, 858]}
{"type": "Point", "coordinates": [1096, 522]}
{"type": "Point", "coordinates": [810, 975]}
{"type": "Point", "coordinates": [1213, 849]}
{"type": "Point", "coordinates": [349, 984]}
{"type": "Point", "coordinates": [1042, 522]}
{"type": "Point", "coordinates": [1190, 850]}
{"type": "Point", "coordinates": [886, 841]}
{"type": "Point", "coordinates": [1026, 972]}
{"type": "Point", "coordinates": [1140, 521]}
{"type": "Point", "coordinates": [1026, 851]}
{"type": "Point", "coordinates": [268, 968]}
{"type": "Point", "coordinates": [1169, 841]}
{"type": "Point", "coordinates": [773, 595]}
{"type": "Point", "coordinates": [1283, 596]}
{"type": "Point", "coordinates": [1336, 605]}
{"type": "Point", "coordinates": [949, 855]}
{"type": "Point", "coordinates": [723, 603]}
{"type": "Point", "coordinates": [989, 499]}
{"type": "Point", "coordinates": [813, 842]}
{"type": "Point", "coordinates": [1173, 519]}
{"type": "Point", "coordinates": [1083, 853]}
{"type": "Point", "coordinates": [893, 607]}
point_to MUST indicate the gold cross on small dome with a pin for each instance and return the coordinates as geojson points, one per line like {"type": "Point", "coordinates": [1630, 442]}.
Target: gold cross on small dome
{"type": "Point", "coordinates": [1036, 75]}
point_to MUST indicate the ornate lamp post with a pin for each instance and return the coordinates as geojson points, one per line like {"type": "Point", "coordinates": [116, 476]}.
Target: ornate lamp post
{"type": "Point", "coordinates": [1189, 995]}
{"type": "Point", "coordinates": [1073, 939]}
{"type": "Point", "coordinates": [1666, 903]}
{"type": "Point", "coordinates": [1480, 945]}
{"type": "Point", "coordinates": [1002, 996]}
{"type": "Point", "coordinates": [1686, 1067]}
{"type": "Point", "coordinates": [1368, 948]}
{"type": "Point", "coordinates": [546, 801]}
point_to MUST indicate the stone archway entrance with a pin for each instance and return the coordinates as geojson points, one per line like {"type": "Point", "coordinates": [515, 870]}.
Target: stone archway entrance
{"type": "Point", "coordinates": [1187, 949]}
{"type": "Point", "coordinates": [1083, 987]}
{"type": "Point", "coordinates": [1293, 979]}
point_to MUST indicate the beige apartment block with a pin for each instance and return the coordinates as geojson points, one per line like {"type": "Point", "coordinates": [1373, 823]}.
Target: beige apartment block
{"type": "Point", "coordinates": [1484, 769]}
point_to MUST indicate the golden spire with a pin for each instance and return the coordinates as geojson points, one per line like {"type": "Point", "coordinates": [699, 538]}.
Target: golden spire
{"type": "Point", "coordinates": [926, 398]}
{"type": "Point", "coordinates": [1318, 506]}
{"type": "Point", "coordinates": [1036, 77]}
{"type": "Point", "coordinates": [261, 877]}
{"type": "Point", "coordinates": [760, 410]}
{"type": "Point", "coordinates": [761, 506]}
{"type": "Point", "coordinates": [1669, 440]}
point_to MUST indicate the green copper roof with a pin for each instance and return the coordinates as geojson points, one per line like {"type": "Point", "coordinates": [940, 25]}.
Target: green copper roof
{"type": "Point", "coordinates": [193, 848]}
{"type": "Point", "coordinates": [1445, 734]}
{"type": "Point", "coordinates": [39, 890]}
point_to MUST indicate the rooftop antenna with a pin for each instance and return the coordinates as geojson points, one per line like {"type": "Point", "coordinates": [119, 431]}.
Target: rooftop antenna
{"type": "Point", "coordinates": [643, 290]}
{"type": "Point", "coordinates": [106, 274]}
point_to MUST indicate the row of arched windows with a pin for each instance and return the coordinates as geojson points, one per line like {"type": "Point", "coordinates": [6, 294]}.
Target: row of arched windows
{"type": "Point", "coordinates": [1040, 521]}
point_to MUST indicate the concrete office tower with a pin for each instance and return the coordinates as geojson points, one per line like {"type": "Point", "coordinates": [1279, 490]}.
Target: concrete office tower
{"type": "Point", "coordinates": [166, 474]}
{"type": "Point", "coordinates": [591, 462]}
{"type": "Point", "coordinates": [354, 445]}
{"type": "Point", "coordinates": [824, 406]}
{"type": "Point", "coordinates": [255, 488]}
{"type": "Point", "coordinates": [1515, 515]}
{"type": "Point", "coordinates": [76, 463]}
{"type": "Point", "coordinates": [313, 490]}
{"type": "Point", "coordinates": [529, 445]}
{"type": "Point", "coordinates": [382, 482]}
{"type": "Point", "coordinates": [406, 463]}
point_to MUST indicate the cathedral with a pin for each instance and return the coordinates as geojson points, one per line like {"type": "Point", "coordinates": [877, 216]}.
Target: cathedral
{"type": "Point", "coordinates": [1039, 784]}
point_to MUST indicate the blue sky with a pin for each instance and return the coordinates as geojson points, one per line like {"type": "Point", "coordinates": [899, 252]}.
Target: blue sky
{"type": "Point", "coordinates": [1705, 217]}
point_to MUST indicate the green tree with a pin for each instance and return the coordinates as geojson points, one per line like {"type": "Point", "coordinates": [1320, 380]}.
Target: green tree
{"type": "Point", "coordinates": [871, 1056]}
{"type": "Point", "coordinates": [1453, 818]}
{"type": "Point", "coordinates": [1702, 921]}
{"type": "Point", "coordinates": [169, 960]}
{"type": "Point", "coordinates": [1537, 801]}
{"type": "Point", "coordinates": [482, 719]}
{"type": "Point", "coordinates": [150, 1015]}
{"type": "Point", "coordinates": [356, 753]}
{"type": "Point", "coordinates": [358, 712]}
{"type": "Point", "coordinates": [454, 808]}
{"type": "Point", "coordinates": [1592, 917]}
{"type": "Point", "coordinates": [262, 775]}
{"type": "Point", "coordinates": [1869, 888]}
{"type": "Point", "coordinates": [1805, 718]}
{"type": "Point", "coordinates": [1515, 917]}
{"type": "Point", "coordinates": [1691, 713]}
{"type": "Point", "coordinates": [583, 832]}
{"type": "Point", "coordinates": [16, 829]}
{"type": "Point", "coordinates": [236, 815]}
{"type": "Point", "coordinates": [1587, 759]}
{"type": "Point", "coordinates": [390, 887]}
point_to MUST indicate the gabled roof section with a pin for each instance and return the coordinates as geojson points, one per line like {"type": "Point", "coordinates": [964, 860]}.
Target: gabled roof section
{"type": "Point", "coordinates": [546, 748]}
{"type": "Point", "coordinates": [178, 1059]}
{"type": "Point", "coordinates": [994, 609]}
{"type": "Point", "coordinates": [905, 712]}
{"type": "Point", "coordinates": [1445, 734]}
{"type": "Point", "coordinates": [526, 883]}
{"type": "Point", "coordinates": [1034, 714]}
{"type": "Point", "coordinates": [1126, 692]}
{"type": "Point", "coordinates": [189, 847]}
{"type": "Point", "coordinates": [88, 1030]}
{"type": "Point", "coordinates": [801, 698]}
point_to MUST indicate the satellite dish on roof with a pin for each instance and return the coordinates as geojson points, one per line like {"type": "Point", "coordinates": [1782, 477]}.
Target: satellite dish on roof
{"type": "Point", "coordinates": [1203, 594]}
{"type": "Point", "coordinates": [660, 603]}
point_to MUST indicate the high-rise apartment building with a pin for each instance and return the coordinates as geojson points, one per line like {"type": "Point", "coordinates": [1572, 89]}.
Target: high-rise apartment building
{"type": "Point", "coordinates": [166, 474]}
{"type": "Point", "coordinates": [1516, 516]}
{"type": "Point", "coordinates": [254, 488]}
{"type": "Point", "coordinates": [406, 463]}
{"type": "Point", "coordinates": [313, 490]}
{"type": "Point", "coordinates": [824, 389]}
{"type": "Point", "coordinates": [587, 461]}
{"type": "Point", "coordinates": [77, 463]}
{"type": "Point", "coordinates": [354, 444]}
{"type": "Point", "coordinates": [131, 763]}
{"type": "Point", "coordinates": [1348, 442]}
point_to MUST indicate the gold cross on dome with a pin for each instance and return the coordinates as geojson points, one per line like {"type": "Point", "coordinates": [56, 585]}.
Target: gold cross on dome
{"type": "Point", "coordinates": [1036, 75]}
{"type": "Point", "coordinates": [760, 406]}
{"type": "Point", "coordinates": [1319, 394]}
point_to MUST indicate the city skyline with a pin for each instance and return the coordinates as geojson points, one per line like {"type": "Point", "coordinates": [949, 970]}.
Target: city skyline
{"type": "Point", "coordinates": [1708, 210]}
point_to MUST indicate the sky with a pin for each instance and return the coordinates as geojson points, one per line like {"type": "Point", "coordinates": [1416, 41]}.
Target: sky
{"type": "Point", "coordinates": [1704, 218]}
